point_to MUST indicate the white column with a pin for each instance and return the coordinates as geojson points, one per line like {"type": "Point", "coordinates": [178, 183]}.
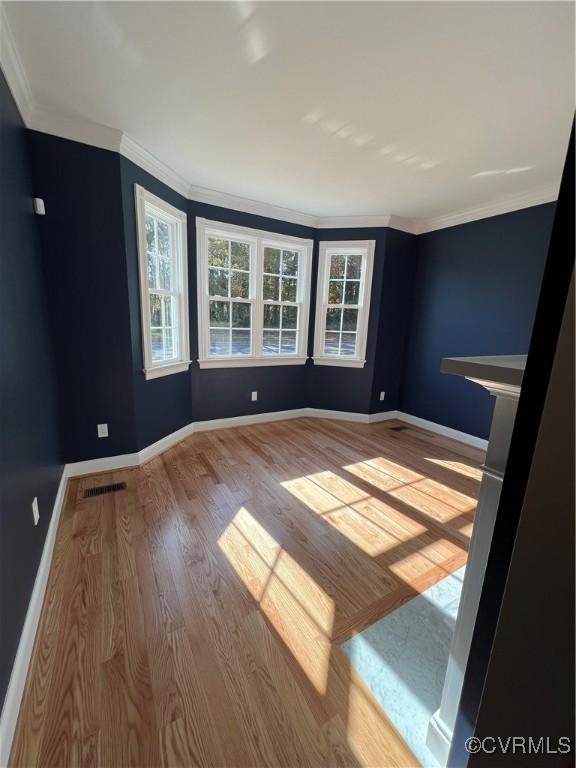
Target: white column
{"type": "Point", "coordinates": [442, 723]}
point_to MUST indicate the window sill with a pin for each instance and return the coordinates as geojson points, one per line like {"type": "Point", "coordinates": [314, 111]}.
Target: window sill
{"type": "Point", "coordinates": [340, 362]}
{"type": "Point", "coordinates": [250, 362]}
{"type": "Point", "coordinates": [166, 370]}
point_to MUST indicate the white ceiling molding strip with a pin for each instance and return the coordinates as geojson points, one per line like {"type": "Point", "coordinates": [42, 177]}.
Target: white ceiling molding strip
{"type": "Point", "coordinates": [149, 162]}
{"type": "Point", "coordinates": [548, 194]}
{"type": "Point", "coordinates": [224, 200]}
{"type": "Point", "coordinates": [76, 128]}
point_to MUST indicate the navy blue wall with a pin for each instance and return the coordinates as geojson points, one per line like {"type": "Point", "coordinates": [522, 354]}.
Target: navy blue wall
{"type": "Point", "coordinates": [84, 249]}
{"type": "Point", "coordinates": [395, 312]}
{"type": "Point", "coordinates": [357, 389]}
{"type": "Point", "coordinates": [476, 291]}
{"type": "Point", "coordinates": [30, 463]}
{"type": "Point", "coordinates": [170, 402]}
{"type": "Point", "coordinates": [466, 290]}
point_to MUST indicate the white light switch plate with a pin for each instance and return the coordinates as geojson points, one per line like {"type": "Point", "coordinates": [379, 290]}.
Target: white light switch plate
{"type": "Point", "coordinates": [382, 395]}
{"type": "Point", "coordinates": [102, 430]}
{"type": "Point", "coordinates": [254, 396]}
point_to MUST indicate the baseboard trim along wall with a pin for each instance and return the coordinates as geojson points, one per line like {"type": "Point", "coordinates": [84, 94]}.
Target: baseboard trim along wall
{"type": "Point", "coordinates": [17, 683]}
{"type": "Point", "coordinates": [126, 460]}
{"type": "Point", "coordinates": [440, 429]}
{"type": "Point", "coordinates": [15, 691]}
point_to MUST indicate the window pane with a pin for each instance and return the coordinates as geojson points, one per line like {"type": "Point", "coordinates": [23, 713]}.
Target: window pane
{"type": "Point", "coordinates": [220, 314]}
{"type": "Point", "coordinates": [337, 267]}
{"type": "Point", "coordinates": [350, 321]}
{"type": "Point", "coordinates": [271, 288]}
{"type": "Point", "coordinates": [289, 288]}
{"type": "Point", "coordinates": [165, 272]}
{"type": "Point", "coordinates": [352, 292]}
{"type": "Point", "coordinates": [163, 238]}
{"type": "Point", "coordinates": [152, 263]}
{"type": "Point", "coordinates": [289, 263]}
{"type": "Point", "coordinates": [240, 315]}
{"type": "Point", "coordinates": [155, 311]}
{"type": "Point", "coordinates": [168, 344]}
{"type": "Point", "coordinates": [271, 316]}
{"type": "Point", "coordinates": [289, 317]}
{"type": "Point", "coordinates": [219, 341]}
{"type": "Point", "coordinates": [271, 342]}
{"type": "Point", "coordinates": [218, 282]}
{"type": "Point", "coordinates": [217, 252]}
{"type": "Point", "coordinates": [240, 285]}
{"type": "Point", "coordinates": [288, 345]}
{"type": "Point", "coordinates": [348, 346]}
{"type": "Point", "coordinates": [335, 292]}
{"type": "Point", "coordinates": [157, 344]}
{"type": "Point", "coordinates": [272, 260]}
{"type": "Point", "coordinates": [167, 305]}
{"type": "Point", "coordinates": [333, 317]}
{"type": "Point", "coordinates": [240, 342]}
{"type": "Point", "coordinates": [331, 343]}
{"type": "Point", "coordinates": [150, 239]}
{"type": "Point", "coordinates": [240, 255]}
{"type": "Point", "coordinates": [354, 267]}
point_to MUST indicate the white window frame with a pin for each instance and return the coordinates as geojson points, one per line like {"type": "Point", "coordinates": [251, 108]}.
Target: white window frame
{"type": "Point", "coordinates": [146, 201]}
{"type": "Point", "coordinates": [259, 239]}
{"type": "Point", "coordinates": [327, 250]}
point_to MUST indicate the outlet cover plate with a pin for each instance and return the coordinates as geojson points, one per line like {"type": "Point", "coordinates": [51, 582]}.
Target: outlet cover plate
{"type": "Point", "coordinates": [35, 510]}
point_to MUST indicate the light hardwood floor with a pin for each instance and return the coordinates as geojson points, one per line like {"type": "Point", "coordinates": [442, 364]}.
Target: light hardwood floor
{"type": "Point", "coordinates": [195, 618]}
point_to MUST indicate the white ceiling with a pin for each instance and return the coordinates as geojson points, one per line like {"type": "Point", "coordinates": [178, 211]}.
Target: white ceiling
{"type": "Point", "coordinates": [331, 108]}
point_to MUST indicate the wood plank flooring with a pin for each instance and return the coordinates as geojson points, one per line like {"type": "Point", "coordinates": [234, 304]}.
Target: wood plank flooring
{"type": "Point", "coordinates": [195, 618]}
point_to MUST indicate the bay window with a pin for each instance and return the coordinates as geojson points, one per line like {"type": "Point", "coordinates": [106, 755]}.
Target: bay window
{"type": "Point", "coordinates": [253, 296]}
{"type": "Point", "coordinates": [162, 255]}
{"type": "Point", "coordinates": [343, 303]}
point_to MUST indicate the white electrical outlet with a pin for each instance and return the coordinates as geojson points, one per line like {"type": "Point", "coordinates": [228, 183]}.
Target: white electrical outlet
{"type": "Point", "coordinates": [254, 396]}
{"type": "Point", "coordinates": [35, 510]}
{"type": "Point", "coordinates": [102, 430]}
{"type": "Point", "coordinates": [382, 395]}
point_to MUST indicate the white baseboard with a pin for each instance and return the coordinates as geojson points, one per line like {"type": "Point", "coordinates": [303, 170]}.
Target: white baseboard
{"type": "Point", "coordinates": [126, 460]}
{"type": "Point", "coordinates": [438, 739]}
{"type": "Point", "coordinates": [361, 418]}
{"type": "Point", "coordinates": [11, 707]}
{"type": "Point", "coordinates": [440, 429]}
{"type": "Point", "coordinates": [110, 463]}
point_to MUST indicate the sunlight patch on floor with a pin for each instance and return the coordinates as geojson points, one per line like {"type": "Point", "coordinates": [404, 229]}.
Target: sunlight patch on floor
{"type": "Point", "coordinates": [300, 611]}
{"type": "Point", "coordinates": [364, 520]}
{"type": "Point", "coordinates": [457, 466]}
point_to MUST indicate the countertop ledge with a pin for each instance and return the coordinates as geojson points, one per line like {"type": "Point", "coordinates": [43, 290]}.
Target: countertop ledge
{"type": "Point", "coordinates": [499, 369]}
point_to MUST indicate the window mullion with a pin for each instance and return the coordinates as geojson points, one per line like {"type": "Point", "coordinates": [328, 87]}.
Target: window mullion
{"type": "Point", "coordinates": [257, 279]}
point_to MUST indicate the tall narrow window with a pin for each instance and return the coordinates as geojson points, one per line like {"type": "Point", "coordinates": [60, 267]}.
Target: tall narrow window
{"type": "Point", "coordinates": [253, 296]}
{"type": "Point", "coordinates": [343, 303]}
{"type": "Point", "coordinates": [163, 285]}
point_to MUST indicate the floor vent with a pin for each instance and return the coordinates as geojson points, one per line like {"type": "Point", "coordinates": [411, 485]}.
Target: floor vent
{"type": "Point", "coordinates": [398, 429]}
{"type": "Point", "coordinates": [102, 489]}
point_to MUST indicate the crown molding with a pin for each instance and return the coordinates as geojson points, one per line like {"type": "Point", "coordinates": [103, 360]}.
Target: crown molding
{"type": "Point", "coordinates": [76, 128]}
{"type": "Point", "coordinates": [345, 222]}
{"type": "Point", "coordinates": [13, 69]}
{"type": "Point", "coordinates": [133, 151]}
{"type": "Point", "coordinates": [546, 194]}
{"type": "Point", "coordinates": [269, 210]}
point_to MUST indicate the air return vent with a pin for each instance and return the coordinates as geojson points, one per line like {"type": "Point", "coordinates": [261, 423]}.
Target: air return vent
{"type": "Point", "coordinates": [100, 490]}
